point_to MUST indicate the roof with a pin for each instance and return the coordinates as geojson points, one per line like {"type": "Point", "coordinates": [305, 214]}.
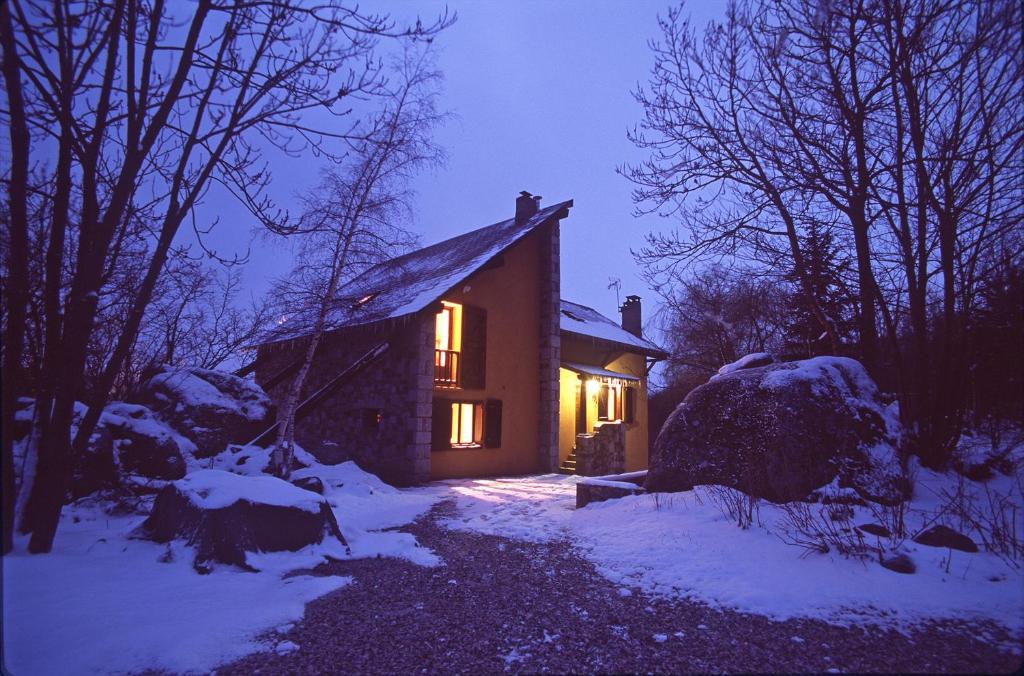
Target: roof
{"type": "Point", "coordinates": [407, 284]}
{"type": "Point", "coordinates": [587, 369]}
{"type": "Point", "coordinates": [586, 321]}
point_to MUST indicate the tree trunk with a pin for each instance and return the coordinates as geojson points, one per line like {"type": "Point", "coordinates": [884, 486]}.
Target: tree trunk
{"type": "Point", "coordinates": [16, 286]}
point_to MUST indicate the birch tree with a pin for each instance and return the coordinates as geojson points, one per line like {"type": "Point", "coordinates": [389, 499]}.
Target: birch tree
{"type": "Point", "coordinates": [354, 217]}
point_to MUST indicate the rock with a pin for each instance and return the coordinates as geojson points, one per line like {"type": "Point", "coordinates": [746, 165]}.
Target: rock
{"type": "Point", "coordinates": [211, 408]}
{"type": "Point", "coordinates": [225, 515]}
{"type": "Point", "coordinates": [145, 446]}
{"type": "Point", "coordinates": [875, 529]}
{"type": "Point", "coordinates": [310, 483]}
{"type": "Point", "coordinates": [943, 536]}
{"type": "Point", "coordinates": [900, 563]}
{"type": "Point", "coordinates": [781, 431]}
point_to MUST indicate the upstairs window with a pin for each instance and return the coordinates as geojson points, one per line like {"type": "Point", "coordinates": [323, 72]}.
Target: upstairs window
{"type": "Point", "coordinates": [447, 344]}
{"type": "Point", "coordinates": [460, 346]}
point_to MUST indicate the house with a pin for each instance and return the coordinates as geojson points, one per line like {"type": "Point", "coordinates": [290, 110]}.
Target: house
{"type": "Point", "coordinates": [460, 359]}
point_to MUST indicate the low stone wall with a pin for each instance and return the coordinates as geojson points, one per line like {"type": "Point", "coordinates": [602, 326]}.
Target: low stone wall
{"type": "Point", "coordinates": [603, 452]}
{"type": "Point", "coordinates": [599, 489]}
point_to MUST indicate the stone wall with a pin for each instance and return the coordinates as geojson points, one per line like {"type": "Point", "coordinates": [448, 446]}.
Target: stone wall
{"type": "Point", "coordinates": [550, 348]}
{"type": "Point", "coordinates": [397, 386]}
{"type": "Point", "coordinates": [603, 452]}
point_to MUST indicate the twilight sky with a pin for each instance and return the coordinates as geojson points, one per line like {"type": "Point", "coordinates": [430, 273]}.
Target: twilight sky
{"type": "Point", "coordinates": [541, 94]}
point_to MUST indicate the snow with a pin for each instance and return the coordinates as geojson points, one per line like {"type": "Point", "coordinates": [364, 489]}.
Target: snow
{"type": "Point", "coordinates": [103, 602]}
{"type": "Point", "coordinates": [680, 545]}
{"type": "Point", "coordinates": [142, 421]}
{"type": "Point", "coordinates": [744, 361]}
{"type": "Point", "coordinates": [216, 489]}
{"type": "Point", "coordinates": [586, 321]}
{"type": "Point", "coordinates": [199, 388]}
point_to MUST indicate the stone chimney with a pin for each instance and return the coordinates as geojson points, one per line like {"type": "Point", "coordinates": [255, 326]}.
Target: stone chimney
{"type": "Point", "coordinates": [632, 319]}
{"type": "Point", "coordinates": [526, 206]}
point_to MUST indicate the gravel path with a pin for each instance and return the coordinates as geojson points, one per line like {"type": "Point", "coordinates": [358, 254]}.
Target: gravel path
{"type": "Point", "coordinates": [504, 605]}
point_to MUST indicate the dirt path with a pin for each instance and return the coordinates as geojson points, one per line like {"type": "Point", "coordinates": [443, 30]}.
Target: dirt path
{"type": "Point", "coordinates": [502, 604]}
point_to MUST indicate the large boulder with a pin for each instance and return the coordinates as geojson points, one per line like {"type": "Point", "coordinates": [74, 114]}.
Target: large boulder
{"type": "Point", "coordinates": [780, 431]}
{"type": "Point", "coordinates": [128, 439]}
{"type": "Point", "coordinates": [211, 408]}
{"type": "Point", "coordinates": [225, 516]}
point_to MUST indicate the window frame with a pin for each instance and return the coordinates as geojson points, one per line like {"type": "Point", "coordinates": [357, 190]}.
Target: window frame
{"type": "Point", "coordinates": [477, 422]}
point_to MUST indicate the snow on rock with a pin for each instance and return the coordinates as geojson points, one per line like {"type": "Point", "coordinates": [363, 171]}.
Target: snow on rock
{"type": "Point", "coordinates": [782, 430]}
{"type": "Point", "coordinates": [225, 516]}
{"type": "Point", "coordinates": [750, 361]}
{"type": "Point", "coordinates": [216, 489]}
{"type": "Point", "coordinates": [212, 408]}
{"type": "Point", "coordinates": [681, 546]}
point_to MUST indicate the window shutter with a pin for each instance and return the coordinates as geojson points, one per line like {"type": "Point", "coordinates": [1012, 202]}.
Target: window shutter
{"type": "Point", "coordinates": [492, 424]}
{"type": "Point", "coordinates": [474, 348]}
{"type": "Point", "coordinates": [441, 425]}
{"type": "Point", "coordinates": [630, 403]}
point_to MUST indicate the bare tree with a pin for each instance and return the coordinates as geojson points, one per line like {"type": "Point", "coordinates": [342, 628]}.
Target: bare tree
{"type": "Point", "coordinates": [147, 108]}
{"type": "Point", "coordinates": [352, 217]}
{"type": "Point", "coordinates": [893, 127]}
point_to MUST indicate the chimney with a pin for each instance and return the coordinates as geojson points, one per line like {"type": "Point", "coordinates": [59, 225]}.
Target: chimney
{"type": "Point", "coordinates": [632, 319]}
{"type": "Point", "coordinates": [526, 206]}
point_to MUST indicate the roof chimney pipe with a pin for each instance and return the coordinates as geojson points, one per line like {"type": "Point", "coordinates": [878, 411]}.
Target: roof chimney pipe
{"type": "Point", "coordinates": [526, 206]}
{"type": "Point", "coordinates": [632, 318]}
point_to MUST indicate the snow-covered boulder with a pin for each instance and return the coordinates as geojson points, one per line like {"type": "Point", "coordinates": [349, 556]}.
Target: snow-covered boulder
{"type": "Point", "coordinates": [144, 445]}
{"type": "Point", "coordinates": [212, 408]}
{"type": "Point", "coordinates": [225, 516]}
{"type": "Point", "coordinates": [782, 430]}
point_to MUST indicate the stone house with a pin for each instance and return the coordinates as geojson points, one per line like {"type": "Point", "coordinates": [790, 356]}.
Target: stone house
{"type": "Point", "coordinates": [460, 359]}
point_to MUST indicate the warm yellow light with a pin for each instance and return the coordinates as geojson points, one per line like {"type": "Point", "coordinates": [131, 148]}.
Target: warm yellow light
{"type": "Point", "coordinates": [448, 327]}
{"type": "Point", "coordinates": [442, 335]}
{"type": "Point", "coordinates": [592, 387]}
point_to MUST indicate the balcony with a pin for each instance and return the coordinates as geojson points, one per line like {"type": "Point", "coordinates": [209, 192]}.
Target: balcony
{"type": "Point", "coordinates": [446, 368]}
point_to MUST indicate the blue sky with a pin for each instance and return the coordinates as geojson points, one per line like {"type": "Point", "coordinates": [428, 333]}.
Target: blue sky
{"type": "Point", "coordinates": [541, 95]}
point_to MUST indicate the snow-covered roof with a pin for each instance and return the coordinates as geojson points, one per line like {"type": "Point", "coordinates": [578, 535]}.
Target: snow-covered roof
{"type": "Point", "coordinates": [407, 284]}
{"type": "Point", "coordinates": [589, 370]}
{"type": "Point", "coordinates": [586, 321]}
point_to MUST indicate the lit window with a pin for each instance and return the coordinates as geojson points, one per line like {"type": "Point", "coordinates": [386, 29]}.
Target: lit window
{"type": "Point", "coordinates": [360, 302]}
{"type": "Point", "coordinates": [447, 344]}
{"type": "Point", "coordinates": [467, 424]}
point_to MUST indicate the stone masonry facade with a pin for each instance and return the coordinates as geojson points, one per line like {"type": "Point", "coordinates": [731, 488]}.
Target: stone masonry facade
{"type": "Point", "coordinates": [550, 348]}
{"type": "Point", "coordinates": [602, 452]}
{"type": "Point", "coordinates": [381, 416]}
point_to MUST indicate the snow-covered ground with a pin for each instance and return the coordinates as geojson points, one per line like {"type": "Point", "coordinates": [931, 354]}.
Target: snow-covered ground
{"type": "Point", "coordinates": [102, 602]}
{"type": "Point", "coordinates": [681, 545]}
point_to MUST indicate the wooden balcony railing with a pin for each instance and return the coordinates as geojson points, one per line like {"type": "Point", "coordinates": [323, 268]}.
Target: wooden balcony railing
{"type": "Point", "coordinates": [446, 368]}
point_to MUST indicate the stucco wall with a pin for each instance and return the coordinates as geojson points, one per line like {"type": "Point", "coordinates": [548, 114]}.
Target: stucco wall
{"type": "Point", "coordinates": [585, 351]}
{"type": "Point", "coordinates": [511, 295]}
{"type": "Point", "coordinates": [568, 382]}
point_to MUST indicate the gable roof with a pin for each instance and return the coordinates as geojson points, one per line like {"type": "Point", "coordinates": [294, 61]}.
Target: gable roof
{"type": "Point", "coordinates": [409, 283]}
{"type": "Point", "coordinates": [586, 321]}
